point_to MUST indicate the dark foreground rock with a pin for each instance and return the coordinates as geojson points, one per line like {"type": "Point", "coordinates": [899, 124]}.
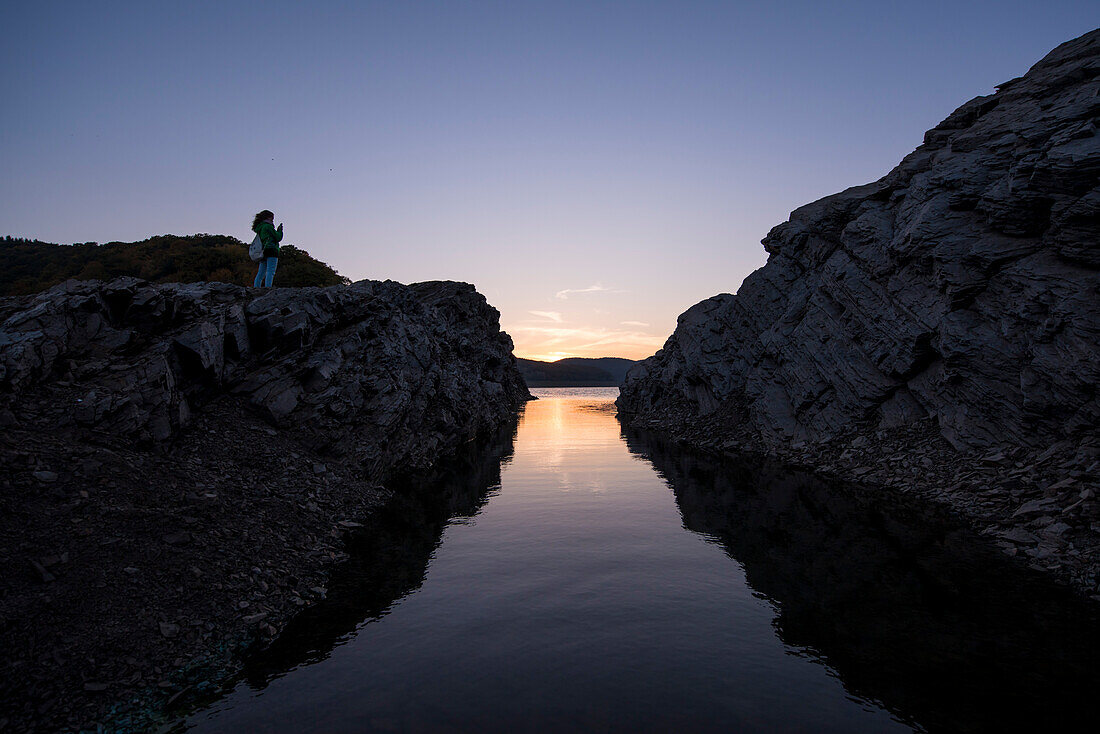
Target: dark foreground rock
{"type": "Point", "coordinates": [181, 463]}
{"type": "Point", "coordinates": [937, 330]}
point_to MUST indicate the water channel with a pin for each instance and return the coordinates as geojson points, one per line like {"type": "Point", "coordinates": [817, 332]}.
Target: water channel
{"type": "Point", "coordinates": [576, 576]}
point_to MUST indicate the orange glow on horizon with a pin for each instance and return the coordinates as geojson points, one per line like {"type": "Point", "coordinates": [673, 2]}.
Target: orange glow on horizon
{"type": "Point", "coordinates": [626, 352]}
{"type": "Point", "coordinates": [549, 343]}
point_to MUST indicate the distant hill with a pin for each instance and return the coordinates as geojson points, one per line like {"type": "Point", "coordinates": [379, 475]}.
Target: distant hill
{"type": "Point", "coordinates": [29, 266]}
{"type": "Point", "coordinates": [575, 372]}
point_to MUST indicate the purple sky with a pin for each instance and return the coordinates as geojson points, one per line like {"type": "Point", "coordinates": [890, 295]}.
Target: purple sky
{"type": "Point", "coordinates": [593, 167]}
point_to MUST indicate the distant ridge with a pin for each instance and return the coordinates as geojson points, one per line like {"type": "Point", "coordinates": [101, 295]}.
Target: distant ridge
{"type": "Point", "coordinates": [31, 266]}
{"type": "Point", "coordinates": [576, 372]}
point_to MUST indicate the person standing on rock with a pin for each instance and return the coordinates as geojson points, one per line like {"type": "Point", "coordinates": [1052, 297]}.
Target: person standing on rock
{"type": "Point", "coordinates": [264, 225]}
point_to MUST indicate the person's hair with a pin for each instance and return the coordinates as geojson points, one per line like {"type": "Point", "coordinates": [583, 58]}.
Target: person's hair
{"type": "Point", "coordinates": [262, 216]}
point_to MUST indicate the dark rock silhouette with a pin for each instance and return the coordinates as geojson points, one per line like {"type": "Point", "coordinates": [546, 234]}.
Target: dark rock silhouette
{"type": "Point", "coordinates": [181, 464]}
{"type": "Point", "coordinates": [951, 308]}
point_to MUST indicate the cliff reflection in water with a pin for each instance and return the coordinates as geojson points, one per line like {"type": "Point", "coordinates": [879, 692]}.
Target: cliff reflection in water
{"type": "Point", "coordinates": [389, 556]}
{"type": "Point", "coordinates": [909, 610]}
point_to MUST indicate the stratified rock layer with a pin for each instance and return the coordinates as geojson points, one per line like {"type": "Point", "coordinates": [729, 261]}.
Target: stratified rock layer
{"type": "Point", "coordinates": [960, 293]}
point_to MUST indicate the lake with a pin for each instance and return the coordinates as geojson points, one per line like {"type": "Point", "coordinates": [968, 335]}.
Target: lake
{"type": "Point", "coordinates": [577, 576]}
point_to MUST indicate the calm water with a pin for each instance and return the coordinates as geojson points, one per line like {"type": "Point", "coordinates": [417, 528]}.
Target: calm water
{"type": "Point", "coordinates": [576, 577]}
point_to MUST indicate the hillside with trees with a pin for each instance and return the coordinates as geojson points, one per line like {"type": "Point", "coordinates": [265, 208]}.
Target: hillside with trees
{"type": "Point", "coordinates": [575, 372]}
{"type": "Point", "coordinates": [30, 266]}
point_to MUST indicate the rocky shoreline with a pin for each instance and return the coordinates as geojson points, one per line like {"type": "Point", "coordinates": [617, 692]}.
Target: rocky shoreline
{"type": "Point", "coordinates": [936, 331]}
{"type": "Point", "coordinates": [888, 589]}
{"type": "Point", "coordinates": [183, 463]}
{"type": "Point", "coordinates": [1040, 508]}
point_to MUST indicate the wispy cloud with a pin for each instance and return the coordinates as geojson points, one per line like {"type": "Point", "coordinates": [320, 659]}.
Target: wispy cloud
{"type": "Point", "coordinates": [635, 323]}
{"type": "Point", "coordinates": [554, 316]}
{"type": "Point", "coordinates": [594, 288]}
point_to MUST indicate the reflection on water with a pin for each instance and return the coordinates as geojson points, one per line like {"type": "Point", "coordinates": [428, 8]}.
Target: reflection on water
{"type": "Point", "coordinates": [555, 588]}
{"type": "Point", "coordinates": [389, 557]}
{"type": "Point", "coordinates": [910, 609]}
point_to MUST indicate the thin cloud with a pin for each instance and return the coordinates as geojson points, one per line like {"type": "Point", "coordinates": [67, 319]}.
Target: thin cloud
{"type": "Point", "coordinates": [554, 316]}
{"type": "Point", "coordinates": [594, 288]}
{"type": "Point", "coordinates": [635, 323]}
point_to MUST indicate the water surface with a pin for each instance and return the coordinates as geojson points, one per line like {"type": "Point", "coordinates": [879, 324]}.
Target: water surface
{"type": "Point", "coordinates": [581, 577]}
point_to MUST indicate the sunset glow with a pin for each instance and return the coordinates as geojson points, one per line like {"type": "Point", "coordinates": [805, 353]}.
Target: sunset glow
{"type": "Point", "coordinates": [549, 344]}
{"type": "Point", "coordinates": [593, 169]}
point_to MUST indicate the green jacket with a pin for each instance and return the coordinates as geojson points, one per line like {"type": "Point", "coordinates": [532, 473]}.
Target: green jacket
{"type": "Point", "coordinates": [270, 236]}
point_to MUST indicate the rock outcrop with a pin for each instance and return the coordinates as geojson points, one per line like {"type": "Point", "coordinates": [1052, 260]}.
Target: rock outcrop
{"type": "Point", "coordinates": [181, 462]}
{"type": "Point", "coordinates": [955, 302]}
{"type": "Point", "coordinates": [381, 374]}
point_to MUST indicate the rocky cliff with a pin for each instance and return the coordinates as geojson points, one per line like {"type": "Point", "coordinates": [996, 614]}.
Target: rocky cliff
{"type": "Point", "coordinates": [181, 461]}
{"type": "Point", "coordinates": [382, 374]}
{"type": "Point", "coordinates": [949, 309]}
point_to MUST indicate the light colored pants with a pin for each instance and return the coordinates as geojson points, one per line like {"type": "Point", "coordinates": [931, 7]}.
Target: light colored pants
{"type": "Point", "coordinates": [266, 272]}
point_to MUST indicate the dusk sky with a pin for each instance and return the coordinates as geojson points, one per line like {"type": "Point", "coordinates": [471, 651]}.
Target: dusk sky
{"type": "Point", "coordinates": [594, 168]}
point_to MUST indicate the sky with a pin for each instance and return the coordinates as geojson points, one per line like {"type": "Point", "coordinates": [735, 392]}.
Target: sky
{"type": "Point", "coordinates": [594, 168]}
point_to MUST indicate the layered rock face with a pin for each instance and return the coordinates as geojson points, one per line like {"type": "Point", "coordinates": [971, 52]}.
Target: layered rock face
{"type": "Point", "coordinates": [937, 331]}
{"type": "Point", "coordinates": [380, 374]}
{"type": "Point", "coordinates": [962, 287]}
